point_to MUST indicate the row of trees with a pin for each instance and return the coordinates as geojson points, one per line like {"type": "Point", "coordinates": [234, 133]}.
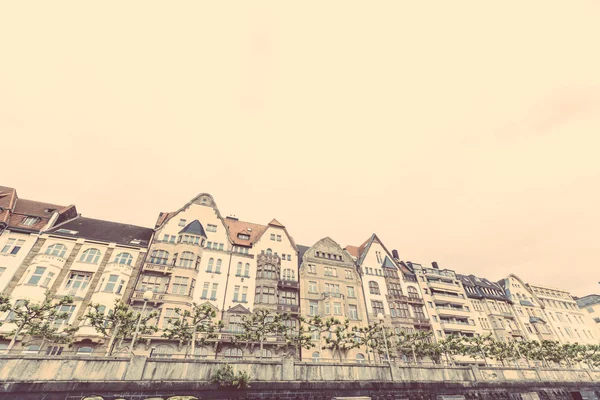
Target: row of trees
{"type": "Point", "coordinates": [199, 326]}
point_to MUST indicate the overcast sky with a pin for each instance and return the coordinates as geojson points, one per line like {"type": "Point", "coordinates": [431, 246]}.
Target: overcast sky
{"type": "Point", "coordinates": [460, 132]}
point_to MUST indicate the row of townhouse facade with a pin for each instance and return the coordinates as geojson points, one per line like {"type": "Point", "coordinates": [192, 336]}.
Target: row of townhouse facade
{"type": "Point", "coordinates": [195, 255]}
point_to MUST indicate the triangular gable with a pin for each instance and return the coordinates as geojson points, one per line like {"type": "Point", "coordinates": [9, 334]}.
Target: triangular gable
{"type": "Point", "coordinates": [215, 308]}
{"type": "Point", "coordinates": [194, 228]}
{"type": "Point", "coordinates": [208, 201]}
{"type": "Point", "coordinates": [239, 309]}
{"type": "Point", "coordinates": [291, 239]}
{"type": "Point", "coordinates": [276, 223]}
{"type": "Point", "coordinates": [387, 263]}
{"type": "Point", "coordinates": [367, 247]}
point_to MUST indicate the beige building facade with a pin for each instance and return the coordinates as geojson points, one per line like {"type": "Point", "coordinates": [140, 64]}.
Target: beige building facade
{"type": "Point", "coordinates": [330, 287]}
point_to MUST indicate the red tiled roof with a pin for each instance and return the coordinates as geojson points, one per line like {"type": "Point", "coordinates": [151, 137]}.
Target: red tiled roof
{"type": "Point", "coordinates": [16, 210]}
{"type": "Point", "coordinates": [236, 227]}
{"type": "Point", "coordinates": [353, 250]}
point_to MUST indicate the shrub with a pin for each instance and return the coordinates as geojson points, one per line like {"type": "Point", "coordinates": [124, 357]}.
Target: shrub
{"type": "Point", "coordinates": [225, 377]}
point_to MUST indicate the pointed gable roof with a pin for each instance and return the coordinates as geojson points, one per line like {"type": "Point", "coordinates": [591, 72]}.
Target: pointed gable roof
{"type": "Point", "coordinates": [237, 227]}
{"type": "Point", "coordinates": [240, 309]}
{"type": "Point", "coordinates": [194, 228]}
{"type": "Point", "coordinates": [276, 223]}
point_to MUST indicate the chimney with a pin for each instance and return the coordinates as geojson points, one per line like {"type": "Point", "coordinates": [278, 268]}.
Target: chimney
{"type": "Point", "coordinates": [435, 265]}
{"type": "Point", "coordinates": [395, 254]}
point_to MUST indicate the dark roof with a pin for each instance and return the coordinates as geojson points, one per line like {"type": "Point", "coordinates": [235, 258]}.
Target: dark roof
{"type": "Point", "coordinates": [194, 228]}
{"type": "Point", "coordinates": [588, 300]}
{"type": "Point", "coordinates": [479, 284]}
{"type": "Point", "coordinates": [105, 231]}
{"type": "Point", "coordinates": [301, 251]}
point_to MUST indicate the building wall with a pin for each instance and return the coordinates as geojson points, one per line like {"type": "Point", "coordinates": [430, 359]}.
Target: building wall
{"type": "Point", "coordinates": [571, 324]}
{"type": "Point", "coordinates": [9, 263]}
{"type": "Point", "coordinates": [330, 286]}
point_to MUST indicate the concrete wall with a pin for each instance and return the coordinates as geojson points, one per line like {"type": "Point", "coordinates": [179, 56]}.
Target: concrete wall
{"type": "Point", "coordinates": [138, 368]}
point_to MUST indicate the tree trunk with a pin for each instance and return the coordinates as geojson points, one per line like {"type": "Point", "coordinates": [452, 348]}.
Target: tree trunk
{"type": "Point", "coordinates": [484, 358]}
{"type": "Point", "coordinates": [193, 343]}
{"type": "Point", "coordinates": [261, 347]}
{"type": "Point", "coordinates": [14, 339]}
{"type": "Point", "coordinates": [111, 342]}
{"type": "Point", "coordinates": [42, 345]}
{"type": "Point", "coordinates": [414, 354]}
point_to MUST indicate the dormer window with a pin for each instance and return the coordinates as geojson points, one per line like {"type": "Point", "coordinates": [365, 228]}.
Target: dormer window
{"type": "Point", "coordinates": [182, 222]}
{"type": "Point", "coordinates": [30, 221]}
{"type": "Point", "coordinates": [243, 236]}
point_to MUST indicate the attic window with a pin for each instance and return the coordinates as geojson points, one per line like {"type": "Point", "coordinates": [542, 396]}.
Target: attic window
{"type": "Point", "coordinates": [67, 231]}
{"type": "Point", "coordinates": [136, 241]}
{"type": "Point", "coordinates": [182, 222]}
{"type": "Point", "coordinates": [49, 210]}
{"type": "Point", "coordinates": [30, 221]}
{"type": "Point", "coordinates": [243, 236]}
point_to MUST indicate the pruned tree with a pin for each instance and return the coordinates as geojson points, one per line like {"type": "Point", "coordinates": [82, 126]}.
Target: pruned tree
{"type": "Point", "coordinates": [371, 339]}
{"type": "Point", "coordinates": [451, 346]}
{"type": "Point", "coordinates": [118, 323]}
{"type": "Point", "coordinates": [37, 320]}
{"type": "Point", "coordinates": [48, 332]}
{"type": "Point", "coordinates": [478, 347]}
{"type": "Point", "coordinates": [259, 325]}
{"type": "Point", "coordinates": [413, 345]}
{"type": "Point", "coordinates": [190, 324]}
{"type": "Point", "coordinates": [503, 351]}
{"type": "Point", "coordinates": [339, 338]}
{"type": "Point", "coordinates": [297, 337]}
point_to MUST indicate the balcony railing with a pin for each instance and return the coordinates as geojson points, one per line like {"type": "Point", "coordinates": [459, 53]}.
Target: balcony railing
{"type": "Point", "coordinates": [288, 284]}
{"type": "Point", "coordinates": [452, 309]}
{"type": "Point", "coordinates": [460, 296]}
{"type": "Point", "coordinates": [332, 294]}
{"type": "Point", "coordinates": [457, 322]}
{"type": "Point", "coordinates": [287, 308]}
{"type": "Point", "coordinates": [416, 300]}
{"type": "Point", "coordinates": [165, 269]}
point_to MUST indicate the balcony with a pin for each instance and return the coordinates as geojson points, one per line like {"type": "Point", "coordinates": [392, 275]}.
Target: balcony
{"type": "Point", "coordinates": [456, 311]}
{"type": "Point", "coordinates": [449, 298]}
{"type": "Point", "coordinates": [288, 284]}
{"type": "Point", "coordinates": [160, 268]}
{"type": "Point", "coordinates": [415, 300]}
{"type": "Point", "coordinates": [288, 308]}
{"type": "Point", "coordinates": [48, 259]}
{"type": "Point", "coordinates": [516, 332]}
{"type": "Point", "coordinates": [421, 322]}
{"type": "Point", "coordinates": [396, 297]}
{"type": "Point", "coordinates": [332, 294]}
{"type": "Point", "coordinates": [441, 285]}
{"type": "Point", "coordinates": [268, 259]}
{"type": "Point", "coordinates": [162, 297]}
{"type": "Point", "coordinates": [458, 325]}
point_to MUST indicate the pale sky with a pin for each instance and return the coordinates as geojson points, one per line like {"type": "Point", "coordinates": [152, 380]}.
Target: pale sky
{"type": "Point", "coordinates": [465, 133]}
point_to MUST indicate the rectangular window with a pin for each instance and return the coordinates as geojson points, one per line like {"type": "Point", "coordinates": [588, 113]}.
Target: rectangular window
{"type": "Point", "coordinates": [205, 291]}
{"type": "Point", "coordinates": [77, 281]}
{"type": "Point", "coordinates": [213, 293]}
{"type": "Point", "coordinates": [157, 284]}
{"type": "Point", "coordinates": [208, 245]}
{"type": "Point", "coordinates": [37, 275]}
{"type": "Point", "coordinates": [221, 246]}
{"type": "Point", "coordinates": [211, 228]}
{"type": "Point", "coordinates": [236, 293]}
{"type": "Point", "coordinates": [244, 294]}
{"type": "Point", "coordinates": [377, 307]}
{"type": "Point", "coordinates": [313, 308]}
{"type": "Point", "coordinates": [337, 308]}
{"type": "Point", "coordinates": [169, 318]}
{"type": "Point", "coordinates": [272, 236]}
{"type": "Point", "coordinates": [330, 271]}
{"type": "Point", "coordinates": [312, 287]}
{"type": "Point", "coordinates": [110, 285]}
{"type": "Point", "coordinates": [327, 308]}
{"type": "Point", "coordinates": [351, 291]}
{"type": "Point", "coordinates": [312, 269]}
{"type": "Point", "coordinates": [180, 285]}
{"type": "Point", "coordinates": [2, 270]}
{"type": "Point", "coordinates": [314, 334]}
{"type": "Point", "coordinates": [352, 312]}
{"type": "Point", "coordinates": [68, 309]}
{"type": "Point", "coordinates": [12, 246]}
{"type": "Point", "coordinates": [348, 274]}
{"type": "Point", "coordinates": [182, 222]}
{"type": "Point", "coordinates": [279, 238]}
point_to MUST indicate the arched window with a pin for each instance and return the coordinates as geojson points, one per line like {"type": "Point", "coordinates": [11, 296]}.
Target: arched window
{"type": "Point", "coordinates": [233, 353]}
{"type": "Point", "coordinates": [200, 352]}
{"type": "Point", "coordinates": [124, 258]}
{"type": "Point", "coordinates": [289, 274]}
{"type": "Point", "coordinates": [269, 251]}
{"type": "Point", "coordinates": [159, 257]}
{"type": "Point", "coordinates": [238, 271]}
{"type": "Point", "coordinates": [85, 350]}
{"type": "Point", "coordinates": [316, 356]}
{"type": "Point", "coordinates": [163, 351]}
{"type": "Point", "coordinates": [57, 250]}
{"type": "Point", "coordinates": [247, 270]}
{"type": "Point", "coordinates": [373, 287]}
{"type": "Point", "coordinates": [412, 292]}
{"type": "Point", "coordinates": [265, 353]}
{"type": "Point", "coordinates": [211, 261]}
{"type": "Point", "coordinates": [360, 358]}
{"type": "Point", "coordinates": [187, 259]}
{"type": "Point", "coordinates": [90, 256]}
{"type": "Point", "coordinates": [218, 266]}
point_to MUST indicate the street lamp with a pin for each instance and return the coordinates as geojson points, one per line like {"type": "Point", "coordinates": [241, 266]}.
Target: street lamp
{"type": "Point", "coordinates": [147, 296]}
{"type": "Point", "coordinates": [381, 318]}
